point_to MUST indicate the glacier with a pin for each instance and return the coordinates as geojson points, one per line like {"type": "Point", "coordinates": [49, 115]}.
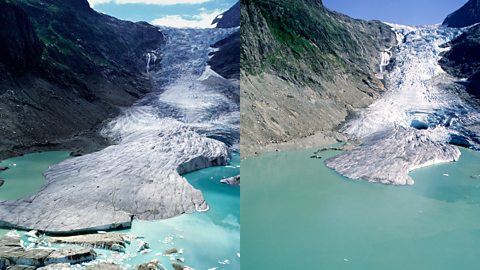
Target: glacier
{"type": "Point", "coordinates": [189, 122]}
{"type": "Point", "coordinates": [419, 119]}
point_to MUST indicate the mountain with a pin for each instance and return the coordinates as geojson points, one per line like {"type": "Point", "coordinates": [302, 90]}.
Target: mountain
{"type": "Point", "coordinates": [305, 69]}
{"type": "Point", "coordinates": [64, 69]}
{"type": "Point", "coordinates": [463, 59]}
{"type": "Point", "coordinates": [467, 15]}
{"type": "Point", "coordinates": [229, 18]}
{"type": "Point", "coordinates": [226, 60]}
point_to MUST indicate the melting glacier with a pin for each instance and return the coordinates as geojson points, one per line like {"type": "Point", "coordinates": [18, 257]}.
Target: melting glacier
{"type": "Point", "coordinates": [419, 119]}
{"type": "Point", "coordinates": [190, 121]}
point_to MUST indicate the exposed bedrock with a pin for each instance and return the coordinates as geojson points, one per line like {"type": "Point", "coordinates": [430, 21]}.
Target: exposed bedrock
{"type": "Point", "coordinates": [106, 189]}
{"type": "Point", "coordinates": [305, 69]}
{"type": "Point", "coordinates": [388, 157]}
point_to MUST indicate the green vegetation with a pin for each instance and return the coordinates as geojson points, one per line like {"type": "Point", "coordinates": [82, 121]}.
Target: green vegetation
{"type": "Point", "coordinates": [305, 34]}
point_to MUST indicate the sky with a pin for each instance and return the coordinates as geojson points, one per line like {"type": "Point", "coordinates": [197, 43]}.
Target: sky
{"type": "Point", "coordinates": [406, 12]}
{"type": "Point", "coordinates": [174, 13]}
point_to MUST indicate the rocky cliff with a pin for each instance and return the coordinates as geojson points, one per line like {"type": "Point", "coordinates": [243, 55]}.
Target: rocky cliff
{"type": "Point", "coordinates": [229, 18]}
{"type": "Point", "coordinates": [467, 15]}
{"type": "Point", "coordinates": [64, 69]}
{"type": "Point", "coordinates": [226, 60]}
{"type": "Point", "coordinates": [463, 59]}
{"type": "Point", "coordinates": [304, 70]}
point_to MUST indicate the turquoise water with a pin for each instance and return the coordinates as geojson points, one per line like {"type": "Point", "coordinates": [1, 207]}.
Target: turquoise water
{"type": "Point", "coordinates": [298, 214]}
{"type": "Point", "coordinates": [208, 240]}
{"type": "Point", "coordinates": [24, 176]}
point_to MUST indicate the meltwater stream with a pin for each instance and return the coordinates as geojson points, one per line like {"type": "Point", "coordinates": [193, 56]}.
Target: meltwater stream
{"type": "Point", "coordinates": [419, 118]}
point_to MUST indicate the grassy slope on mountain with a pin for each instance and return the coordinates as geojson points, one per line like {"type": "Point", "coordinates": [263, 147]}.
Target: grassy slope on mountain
{"type": "Point", "coordinates": [304, 70]}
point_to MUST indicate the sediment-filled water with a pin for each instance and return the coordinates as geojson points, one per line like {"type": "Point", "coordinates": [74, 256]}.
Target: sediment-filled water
{"type": "Point", "coordinates": [207, 240]}
{"type": "Point", "coordinates": [298, 214]}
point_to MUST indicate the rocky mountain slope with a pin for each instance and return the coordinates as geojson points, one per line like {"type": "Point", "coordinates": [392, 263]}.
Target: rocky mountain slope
{"type": "Point", "coordinates": [463, 58]}
{"type": "Point", "coordinates": [467, 15]}
{"type": "Point", "coordinates": [305, 69]}
{"type": "Point", "coordinates": [229, 18]}
{"type": "Point", "coordinates": [64, 69]}
{"type": "Point", "coordinates": [226, 60]}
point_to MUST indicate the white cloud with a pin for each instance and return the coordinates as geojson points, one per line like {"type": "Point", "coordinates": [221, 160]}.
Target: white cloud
{"type": "Point", "coordinates": [202, 20]}
{"type": "Point", "coordinates": [152, 2]}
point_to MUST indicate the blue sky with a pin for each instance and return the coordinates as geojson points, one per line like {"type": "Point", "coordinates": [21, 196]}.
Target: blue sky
{"type": "Point", "coordinates": [176, 13]}
{"type": "Point", "coordinates": [407, 12]}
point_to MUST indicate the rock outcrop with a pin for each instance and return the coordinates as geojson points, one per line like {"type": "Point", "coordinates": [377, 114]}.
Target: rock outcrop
{"type": "Point", "coordinates": [467, 15]}
{"type": "Point", "coordinates": [304, 70]}
{"type": "Point", "coordinates": [229, 18]}
{"type": "Point", "coordinates": [21, 48]}
{"type": "Point", "coordinates": [226, 59]}
{"type": "Point", "coordinates": [463, 59]}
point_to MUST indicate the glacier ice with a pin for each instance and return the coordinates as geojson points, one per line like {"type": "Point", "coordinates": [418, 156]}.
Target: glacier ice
{"type": "Point", "coordinates": [412, 124]}
{"type": "Point", "coordinates": [187, 123]}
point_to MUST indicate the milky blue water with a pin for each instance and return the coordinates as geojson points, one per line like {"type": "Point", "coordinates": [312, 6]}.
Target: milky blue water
{"type": "Point", "coordinates": [207, 240]}
{"type": "Point", "coordinates": [298, 214]}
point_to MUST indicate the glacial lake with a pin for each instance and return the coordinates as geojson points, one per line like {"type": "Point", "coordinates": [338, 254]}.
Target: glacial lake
{"type": "Point", "coordinates": [207, 240]}
{"type": "Point", "coordinates": [298, 214]}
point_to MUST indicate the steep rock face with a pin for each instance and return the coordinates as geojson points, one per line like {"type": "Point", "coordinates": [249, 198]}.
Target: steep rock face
{"type": "Point", "coordinates": [463, 59]}
{"type": "Point", "coordinates": [89, 66]}
{"type": "Point", "coordinates": [230, 18]}
{"type": "Point", "coordinates": [226, 60]}
{"type": "Point", "coordinates": [467, 15]}
{"type": "Point", "coordinates": [20, 45]}
{"type": "Point", "coordinates": [304, 69]}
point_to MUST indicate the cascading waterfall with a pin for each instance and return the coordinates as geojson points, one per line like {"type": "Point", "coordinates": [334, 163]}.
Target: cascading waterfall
{"type": "Point", "coordinates": [385, 57]}
{"type": "Point", "coordinates": [413, 123]}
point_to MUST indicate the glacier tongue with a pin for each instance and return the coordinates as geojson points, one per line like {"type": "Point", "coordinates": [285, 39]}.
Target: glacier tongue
{"type": "Point", "coordinates": [412, 124]}
{"type": "Point", "coordinates": [181, 126]}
